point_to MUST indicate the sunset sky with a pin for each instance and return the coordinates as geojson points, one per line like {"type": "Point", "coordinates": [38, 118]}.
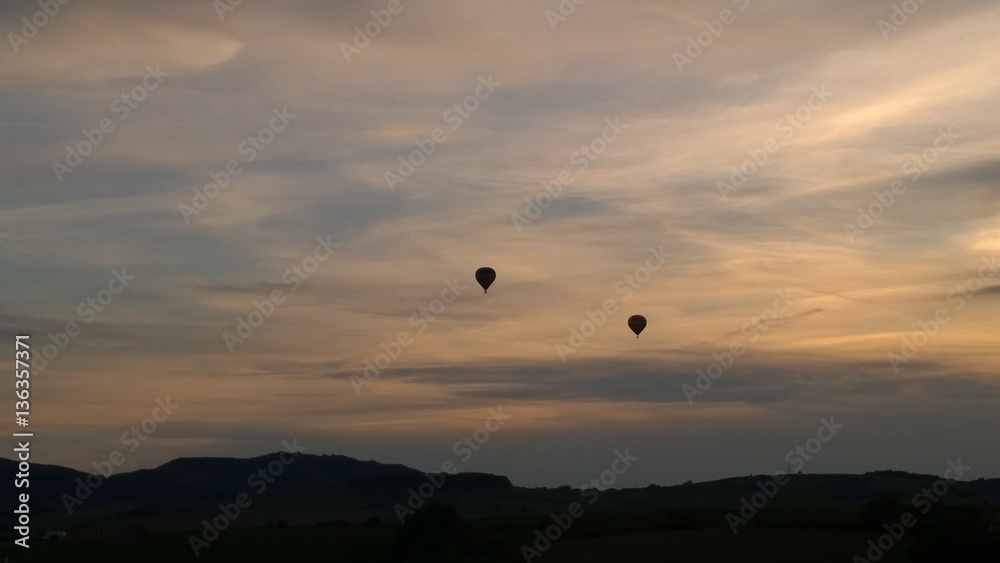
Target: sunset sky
{"type": "Point", "coordinates": [872, 208]}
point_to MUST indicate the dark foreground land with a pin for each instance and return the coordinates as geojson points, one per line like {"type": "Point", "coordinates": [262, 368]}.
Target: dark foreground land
{"type": "Point", "coordinates": [334, 510]}
{"type": "Point", "coordinates": [626, 536]}
{"type": "Point", "coordinates": [355, 544]}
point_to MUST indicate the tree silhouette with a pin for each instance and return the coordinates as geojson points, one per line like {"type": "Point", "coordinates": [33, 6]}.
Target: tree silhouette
{"type": "Point", "coordinates": [881, 510]}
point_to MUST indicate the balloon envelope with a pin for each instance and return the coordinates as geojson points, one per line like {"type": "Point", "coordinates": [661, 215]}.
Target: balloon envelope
{"type": "Point", "coordinates": [485, 277]}
{"type": "Point", "coordinates": [637, 323]}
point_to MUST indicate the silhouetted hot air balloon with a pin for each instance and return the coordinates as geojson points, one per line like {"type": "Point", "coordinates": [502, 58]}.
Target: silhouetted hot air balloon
{"type": "Point", "coordinates": [485, 277]}
{"type": "Point", "coordinates": [637, 323]}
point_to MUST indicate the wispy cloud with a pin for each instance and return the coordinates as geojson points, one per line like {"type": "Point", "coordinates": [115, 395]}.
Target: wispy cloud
{"type": "Point", "coordinates": [656, 184]}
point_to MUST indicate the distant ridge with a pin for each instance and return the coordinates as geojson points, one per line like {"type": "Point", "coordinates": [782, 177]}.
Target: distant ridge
{"type": "Point", "coordinates": [341, 482]}
{"type": "Point", "coordinates": [211, 479]}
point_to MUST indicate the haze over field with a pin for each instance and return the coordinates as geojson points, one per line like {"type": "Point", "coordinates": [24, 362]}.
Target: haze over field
{"type": "Point", "coordinates": [814, 185]}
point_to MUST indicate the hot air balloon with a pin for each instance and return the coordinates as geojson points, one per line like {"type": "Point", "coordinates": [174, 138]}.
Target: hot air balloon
{"type": "Point", "coordinates": [637, 323]}
{"type": "Point", "coordinates": [485, 277]}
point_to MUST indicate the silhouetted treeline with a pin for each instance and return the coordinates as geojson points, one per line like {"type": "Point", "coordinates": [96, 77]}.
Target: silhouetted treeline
{"type": "Point", "coordinates": [403, 481]}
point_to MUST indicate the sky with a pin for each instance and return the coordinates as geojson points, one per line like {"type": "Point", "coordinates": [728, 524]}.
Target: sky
{"type": "Point", "coordinates": [235, 207]}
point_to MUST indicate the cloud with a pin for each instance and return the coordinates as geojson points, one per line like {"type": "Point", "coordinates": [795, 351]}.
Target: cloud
{"type": "Point", "coordinates": [324, 175]}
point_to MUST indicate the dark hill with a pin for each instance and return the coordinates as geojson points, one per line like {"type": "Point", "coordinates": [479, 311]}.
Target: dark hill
{"type": "Point", "coordinates": [197, 480]}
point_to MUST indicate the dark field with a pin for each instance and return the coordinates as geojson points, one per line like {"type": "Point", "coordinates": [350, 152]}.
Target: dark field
{"type": "Point", "coordinates": [615, 529]}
